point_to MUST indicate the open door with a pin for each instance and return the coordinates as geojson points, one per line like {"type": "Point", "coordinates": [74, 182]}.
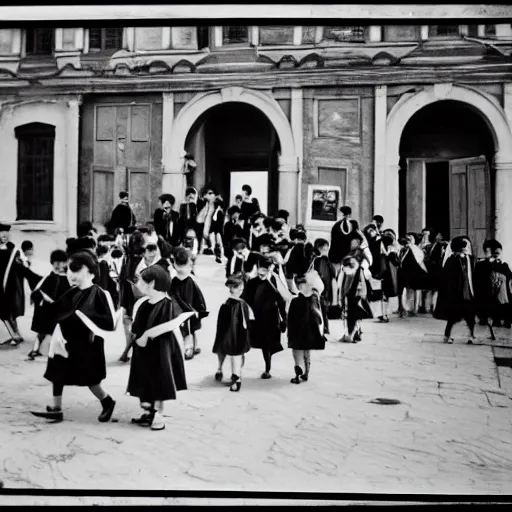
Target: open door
{"type": "Point", "coordinates": [470, 201]}
{"type": "Point", "coordinates": [416, 184]}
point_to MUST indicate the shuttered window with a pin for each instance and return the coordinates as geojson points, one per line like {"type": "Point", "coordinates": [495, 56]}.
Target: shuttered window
{"type": "Point", "coordinates": [443, 30]}
{"type": "Point", "coordinates": [35, 171]}
{"type": "Point", "coordinates": [101, 39]}
{"type": "Point", "coordinates": [345, 33]}
{"type": "Point", "coordinates": [235, 35]}
{"type": "Point", "coordinates": [39, 41]}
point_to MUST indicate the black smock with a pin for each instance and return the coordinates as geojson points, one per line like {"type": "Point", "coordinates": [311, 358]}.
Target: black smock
{"type": "Point", "coordinates": [304, 319]}
{"type": "Point", "coordinates": [233, 336]}
{"type": "Point", "coordinates": [190, 298]}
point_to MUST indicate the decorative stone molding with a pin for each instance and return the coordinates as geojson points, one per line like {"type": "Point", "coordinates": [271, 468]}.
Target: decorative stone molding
{"type": "Point", "coordinates": [442, 91]}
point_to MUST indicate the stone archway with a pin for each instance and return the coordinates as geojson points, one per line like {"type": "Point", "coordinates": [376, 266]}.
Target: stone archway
{"type": "Point", "coordinates": [175, 135]}
{"type": "Point", "coordinates": [387, 193]}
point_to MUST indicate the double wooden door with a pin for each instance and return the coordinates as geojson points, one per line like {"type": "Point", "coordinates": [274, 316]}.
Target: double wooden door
{"type": "Point", "coordinates": [469, 199]}
{"type": "Point", "coordinates": [121, 159]}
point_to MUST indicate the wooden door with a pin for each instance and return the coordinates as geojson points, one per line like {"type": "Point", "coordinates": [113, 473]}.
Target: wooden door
{"type": "Point", "coordinates": [470, 201]}
{"type": "Point", "coordinates": [416, 195]}
{"type": "Point", "coordinates": [121, 159]}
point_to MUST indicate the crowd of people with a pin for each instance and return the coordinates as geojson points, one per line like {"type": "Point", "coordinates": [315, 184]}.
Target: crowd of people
{"type": "Point", "coordinates": [139, 279]}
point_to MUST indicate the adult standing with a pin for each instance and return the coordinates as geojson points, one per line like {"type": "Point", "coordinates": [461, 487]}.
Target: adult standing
{"type": "Point", "coordinates": [165, 220]}
{"type": "Point", "coordinates": [204, 220]}
{"type": "Point", "coordinates": [250, 206]}
{"type": "Point", "coordinates": [342, 233]}
{"type": "Point", "coordinates": [122, 215]}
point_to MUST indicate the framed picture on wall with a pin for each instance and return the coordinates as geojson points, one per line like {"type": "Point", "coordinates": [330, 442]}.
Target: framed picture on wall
{"type": "Point", "coordinates": [337, 117]}
{"type": "Point", "coordinates": [324, 202]}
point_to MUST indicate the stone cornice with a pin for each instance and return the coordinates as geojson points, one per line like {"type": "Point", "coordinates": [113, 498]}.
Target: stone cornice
{"type": "Point", "coordinates": [360, 76]}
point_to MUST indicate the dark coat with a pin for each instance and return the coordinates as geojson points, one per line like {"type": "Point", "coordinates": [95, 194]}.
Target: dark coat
{"type": "Point", "coordinates": [122, 217]}
{"type": "Point", "coordinates": [455, 299]}
{"type": "Point", "coordinates": [55, 286]}
{"type": "Point", "coordinates": [269, 311]}
{"type": "Point", "coordinates": [231, 231]}
{"type": "Point", "coordinates": [304, 319]}
{"type": "Point", "coordinates": [85, 365]}
{"type": "Point", "coordinates": [233, 336]}
{"type": "Point", "coordinates": [190, 298]}
{"type": "Point", "coordinates": [340, 242]}
{"type": "Point", "coordinates": [128, 293]}
{"type": "Point", "coordinates": [163, 226]}
{"type": "Point", "coordinates": [327, 273]}
{"type": "Point", "coordinates": [107, 283]}
{"type": "Point", "coordinates": [157, 370]}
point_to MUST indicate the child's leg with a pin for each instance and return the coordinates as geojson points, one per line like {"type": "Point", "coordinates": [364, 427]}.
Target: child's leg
{"type": "Point", "coordinates": [470, 322]}
{"type": "Point", "coordinates": [189, 346]}
{"type": "Point", "coordinates": [197, 350]}
{"type": "Point", "coordinates": [218, 375]}
{"type": "Point", "coordinates": [298, 358]}
{"type": "Point", "coordinates": [107, 402]}
{"type": "Point", "coordinates": [36, 350]}
{"type": "Point", "coordinates": [158, 419]}
{"type": "Point", "coordinates": [490, 324]}
{"type": "Point", "coordinates": [236, 373]}
{"type": "Point", "coordinates": [307, 364]}
{"type": "Point", "coordinates": [448, 331]}
{"type": "Point", "coordinates": [267, 356]}
{"type": "Point", "coordinates": [53, 412]}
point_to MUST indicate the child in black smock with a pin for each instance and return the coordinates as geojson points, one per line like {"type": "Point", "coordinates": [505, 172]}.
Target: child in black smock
{"type": "Point", "coordinates": [269, 311]}
{"type": "Point", "coordinates": [305, 328]}
{"type": "Point", "coordinates": [186, 291]}
{"type": "Point", "coordinates": [45, 295]}
{"type": "Point", "coordinates": [233, 336]}
{"type": "Point", "coordinates": [157, 369]}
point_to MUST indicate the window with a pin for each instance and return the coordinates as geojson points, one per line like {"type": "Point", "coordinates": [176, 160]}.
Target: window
{"type": "Point", "coordinates": [344, 34]}
{"type": "Point", "coordinates": [276, 35]}
{"type": "Point", "coordinates": [443, 31]}
{"type": "Point", "coordinates": [473, 30]}
{"type": "Point", "coordinates": [490, 30]}
{"type": "Point", "coordinates": [393, 33]}
{"type": "Point", "coordinates": [35, 171]}
{"type": "Point", "coordinates": [235, 35]}
{"type": "Point", "coordinates": [39, 41]}
{"type": "Point", "coordinates": [101, 39]}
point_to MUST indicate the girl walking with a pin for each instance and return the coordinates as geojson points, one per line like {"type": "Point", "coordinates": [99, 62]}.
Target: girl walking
{"type": "Point", "coordinates": [233, 338]}
{"type": "Point", "coordinates": [305, 329]}
{"type": "Point", "coordinates": [77, 356]}
{"type": "Point", "coordinates": [157, 371]}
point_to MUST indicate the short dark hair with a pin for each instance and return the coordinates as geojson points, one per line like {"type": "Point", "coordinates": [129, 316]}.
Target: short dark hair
{"type": "Point", "coordinates": [235, 281]}
{"type": "Point", "coordinates": [58, 256]}
{"type": "Point", "coordinates": [105, 238]}
{"type": "Point", "coordinates": [248, 189]}
{"type": "Point", "coordinates": [293, 233]}
{"type": "Point", "coordinates": [265, 239]}
{"type": "Point", "coordinates": [190, 190]}
{"type": "Point", "coordinates": [378, 218]}
{"type": "Point", "coordinates": [181, 256]}
{"type": "Point", "coordinates": [84, 228]}
{"type": "Point", "coordinates": [151, 247]}
{"type": "Point", "coordinates": [167, 197]}
{"type": "Point", "coordinates": [165, 248]}
{"type": "Point", "coordinates": [26, 245]}
{"type": "Point", "coordinates": [238, 196]}
{"type": "Point", "coordinates": [101, 250]}
{"type": "Point", "coordinates": [346, 210]}
{"type": "Point", "coordinates": [321, 242]}
{"type": "Point", "coordinates": [264, 262]}
{"type": "Point", "coordinates": [300, 227]}
{"type": "Point", "coordinates": [493, 245]}
{"type": "Point", "coordinates": [283, 214]}
{"type": "Point", "coordinates": [268, 222]}
{"type": "Point", "coordinates": [233, 209]}
{"type": "Point", "coordinates": [255, 217]}
{"type": "Point", "coordinates": [458, 244]}
{"type": "Point", "coordinates": [301, 235]}
{"type": "Point", "coordinates": [123, 195]}
{"type": "Point", "coordinates": [82, 259]}
{"type": "Point", "coordinates": [157, 274]}
{"type": "Point", "coordinates": [427, 229]}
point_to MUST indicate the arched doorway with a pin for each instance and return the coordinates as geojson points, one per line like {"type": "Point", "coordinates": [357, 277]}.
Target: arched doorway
{"type": "Point", "coordinates": [386, 200]}
{"type": "Point", "coordinates": [235, 144]}
{"type": "Point", "coordinates": [446, 153]}
{"type": "Point", "coordinates": [176, 131]}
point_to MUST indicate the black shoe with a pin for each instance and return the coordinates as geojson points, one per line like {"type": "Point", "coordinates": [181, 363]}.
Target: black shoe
{"type": "Point", "coordinates": [108, 405]}
{"type": "Point", "coordinates": [422, 311]}
{"type": "Point", "coordinates": [236, 383]}
{"type": "Point", "coordinates": [197, 351]}
{"type": "Point", "coordinates": [218, 376]}
{"type": "Point", "coordinates": [357, 336]}
{"type": "Point", "coordinates": [218, 260]}
{"type": "Point", "coordinates": [55, 415]}
{"type": "Point", "coordinates": [304, 377]}
{"type": "Point", "coordinates": [298, 373]}
{"type": "Point", "coordinates": [208, 252]}
{"type": "Point", "coordinates": [145, 420]}
{"type": "Point", "coordinates": [266, 375]}
{"type": "Point", "coordinates": [189, 354]}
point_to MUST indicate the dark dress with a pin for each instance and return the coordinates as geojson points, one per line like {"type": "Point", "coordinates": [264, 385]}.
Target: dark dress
{"type": "Point", "coordinates": [390, 275]}
{"type": "Point", "coordinates": [491, 289]}
{"type": "Point", "coordinates": [188, 218]}
{"type": "Point", "coordinates": [122, 217]}
{"type": "Point", "coordinates": [157, 370]}
{"type": "Point", "coordinates": [269, 312]}
{"type": "Point", "coordinates": [234, 324]}
{"type": "Point", "coordinates": [340, 242]}
{"type": "Point", "coordinates": [107, 283]}
{"type": "Point", "coordinates": [231, 231]}
{"type": "Point", "coordinates": [434, 255]}
{"type": "Point", "coordinates": [456, 299]}
{"type": "Point", "coordinates": [410, 273]}
{"type": "Point", "coordinates": [300, 259]}
{"type": "Point", "coordinates": [85, 364]}
{"type": "Point", "coordinates": [248, 209]}
{"type": "Point", "coordinates": [12, 292]}
{"type": "Point", "coordinates": [167, 227]}
{"type": "Point", "coordinates": [55, 286]}
{"type": "Point", "coordinates": [304, 319]}
{"type": "Point", "coordinates": [379, 261]}
{"type": "Point", "coordinates": [217, 224]}
{"type": "Point", "coordinates": [128, 293]}
{"type": "Point", "coordinates": [190, 298]}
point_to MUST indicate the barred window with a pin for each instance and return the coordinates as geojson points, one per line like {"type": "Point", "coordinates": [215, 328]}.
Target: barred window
{"type": "Point", "coordinates": [101, 39]}
{"type": "Point", "coordinates": [443, 30]}
{"type": "Point", "coordinates": [345, 34]}
{"type": "Point", "coordinates": [235, 35]}
{"type": "Point", "coordinates": [39, 41]}
{"type": "Point", "coordinates": [34, 198]}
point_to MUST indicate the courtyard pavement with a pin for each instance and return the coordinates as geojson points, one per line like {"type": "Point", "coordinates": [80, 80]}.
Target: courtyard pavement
{"type": "Point", "coordinates": [450, 433]}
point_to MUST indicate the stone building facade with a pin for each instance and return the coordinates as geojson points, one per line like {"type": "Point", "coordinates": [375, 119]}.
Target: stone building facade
{"type": "Point", "coordinates": [409, 121]}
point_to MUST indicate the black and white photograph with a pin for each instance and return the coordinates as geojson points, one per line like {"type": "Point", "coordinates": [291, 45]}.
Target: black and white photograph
{"type": "Point", "coordinates": [263, 264]}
